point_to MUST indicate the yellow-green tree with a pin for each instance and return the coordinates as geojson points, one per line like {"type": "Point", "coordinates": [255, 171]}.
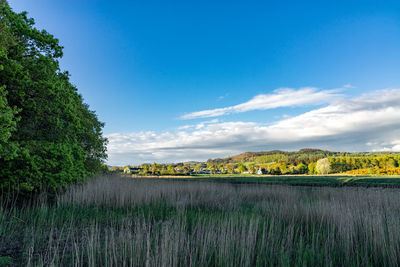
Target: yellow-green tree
{"type": "Point", "coordinates": [323, 166]}
{"type": "Point", "coordinates": [242, 168]}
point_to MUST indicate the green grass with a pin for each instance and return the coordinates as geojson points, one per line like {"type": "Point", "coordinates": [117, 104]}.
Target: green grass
{"type": "Point", "coordinates": [115, 221]}
{"type": "Point", "coordinates": [305, 180]}
{"type": "Point", "coordinates": [5, 261]}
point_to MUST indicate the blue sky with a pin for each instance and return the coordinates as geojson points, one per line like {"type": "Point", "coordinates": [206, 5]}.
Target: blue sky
{"type": "Point", "coordinates": [149, 67]}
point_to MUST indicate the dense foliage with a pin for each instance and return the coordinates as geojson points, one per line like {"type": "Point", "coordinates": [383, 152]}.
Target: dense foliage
{"type": "Point", "coordinates": [48, 137]}
{"type": "Point", "coordinates": [305, 161]}
{"type": "Point", "coordinates": [276, 162]}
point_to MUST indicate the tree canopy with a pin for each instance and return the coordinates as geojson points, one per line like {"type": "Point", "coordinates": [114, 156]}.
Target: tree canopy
{"type": "Point", "coordinates": [49, 137]}
{"type": "Point", "coordinates": [323, 166]}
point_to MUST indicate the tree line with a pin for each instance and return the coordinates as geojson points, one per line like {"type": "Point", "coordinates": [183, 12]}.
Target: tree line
{"type": "Point", "coordinates": [49, 138]}
{"type": "Point", "coordinates": [305, 161]}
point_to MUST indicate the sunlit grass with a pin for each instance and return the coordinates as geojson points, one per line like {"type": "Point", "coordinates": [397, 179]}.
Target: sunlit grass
{"type": "Point", "coordinates": [116, 221]}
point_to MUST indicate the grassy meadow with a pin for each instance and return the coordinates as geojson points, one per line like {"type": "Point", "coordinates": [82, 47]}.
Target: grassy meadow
{"type": "Point", "coordinates": [300, 180]}
{"type": "Point", "coordinates": [116, 221]}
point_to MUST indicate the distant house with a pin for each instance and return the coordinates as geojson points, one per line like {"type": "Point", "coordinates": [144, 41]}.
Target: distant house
{"type": "Point", "coordinates": [260, 171]}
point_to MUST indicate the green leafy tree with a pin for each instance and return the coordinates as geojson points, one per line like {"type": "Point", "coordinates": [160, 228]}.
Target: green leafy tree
{"type": "Point", "coordinates": [274, 169]}
{"type": "Point", "coordinates": [198, 167]}
{"type": "Point", "coordinates": [291, 169]}
{"type": "Point", "coordinates": [242, 168]}
{"type": "Point", "coordinates": [7, 126]}
{"type": "Point", "coordinates": [252, 168]}
{"type": "Point", "coordinates": [170, 169]}
{"type": "Point", "coordinates": [115, 169]}
{"type": "Point", "coordinates": [145, 169]}
{"type": "Point", "coordinates": [230, 167]}
{"type": "Point", "coordinates": [302, 168]}
{"type": "Point", "coordinates": [312, 168]}
{"type": "Point", "coordinates": [222, 168]}
{"type": "Point", "coordinates": [389, 162]}
{"type": "Point", "coordinates": [186, 169]}
{"type": "Point", "coordinates": [8, 120]}
{"type": "Point", "coordinates": [53, 143]}
{"type": "Point", "coordinates": [155, 169]}
{"type": "Point", "coordinates": [211, 167]}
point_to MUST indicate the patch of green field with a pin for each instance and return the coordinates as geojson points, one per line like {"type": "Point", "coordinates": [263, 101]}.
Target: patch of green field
{"type": "Point", "coordinates": [305, 180]}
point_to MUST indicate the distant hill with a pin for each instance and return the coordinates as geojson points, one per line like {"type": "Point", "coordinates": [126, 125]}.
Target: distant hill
{"type": "Point", "coordinates": [305, 155]}
{"type": "Point", "coordinates": [277, 162]}
{"type": "Point", "coordinates": [192, 163]}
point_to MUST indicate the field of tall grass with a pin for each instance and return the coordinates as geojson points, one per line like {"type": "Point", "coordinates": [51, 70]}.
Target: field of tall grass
{"type": "Point", "coordinates": [114, 221]}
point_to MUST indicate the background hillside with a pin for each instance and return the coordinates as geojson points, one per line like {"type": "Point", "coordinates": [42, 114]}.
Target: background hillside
{"type": "Point", "coordinates": [277, 162]}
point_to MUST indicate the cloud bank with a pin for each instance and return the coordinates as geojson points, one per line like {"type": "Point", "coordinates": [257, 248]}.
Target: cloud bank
{"type": "Point", "coordinates": [283, 97]}
{"type": "Point", "coordinates": [370, 122]}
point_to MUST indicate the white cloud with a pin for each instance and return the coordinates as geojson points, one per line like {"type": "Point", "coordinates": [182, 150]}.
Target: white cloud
{"type": "Point", "coordinates": [366, 123]}
{"type": "Point", "coordinates": [283, 97]}
{"type": "Point", "coordinates": [393, 146]}
{"type": "Point", "coordinates": [396, 146]}
{"type": "Point", "coordinates": [198, 125]}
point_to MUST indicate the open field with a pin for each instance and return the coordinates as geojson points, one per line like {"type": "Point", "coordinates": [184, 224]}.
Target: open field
{"type": "Point", "coordinates": [114, 221]}
{"type": "Point", "coordinates": [306, 180]}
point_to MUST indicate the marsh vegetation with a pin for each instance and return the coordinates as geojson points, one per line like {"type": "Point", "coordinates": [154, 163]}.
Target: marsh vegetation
{"type": "Point", "coordinates": [114, 221]}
